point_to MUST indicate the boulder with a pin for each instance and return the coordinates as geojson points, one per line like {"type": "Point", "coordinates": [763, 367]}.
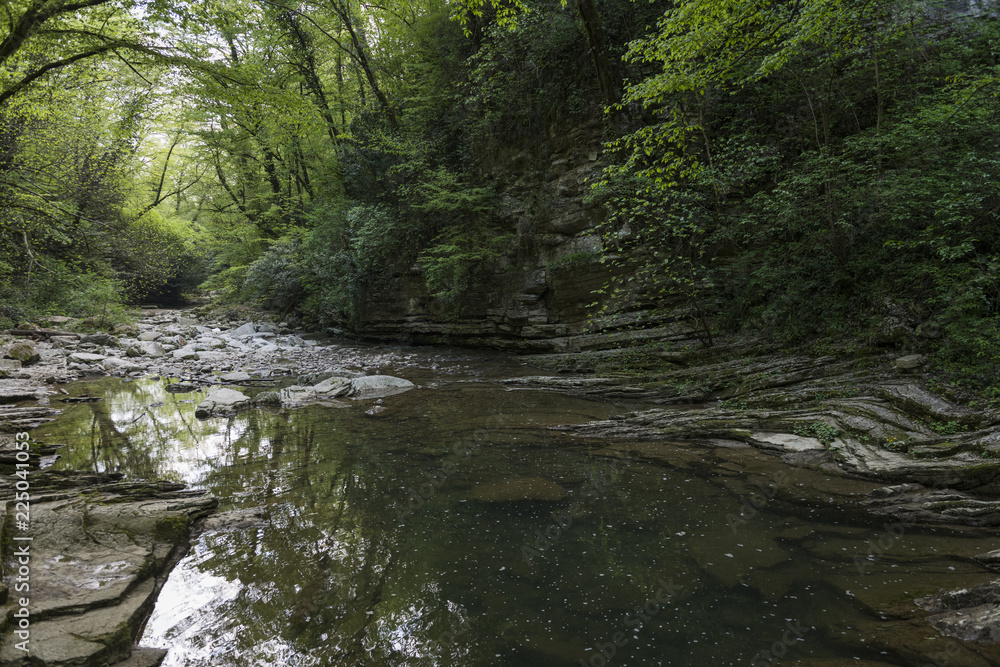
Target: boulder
{"type": "Point", "coordinates": [378, 386]}
{"type": "Point", "coordinates": [268, 398]}
{"type": "Point", "coordinates": [236, 376]}
{"type": "Point", "coordinates": [104, 339]}
{"type": "Point", "coordinates": [245, 330]}
{"type": "Point", "coordinates": [24, 352]}
{"type": "Point", "coordinates": [222, 401]}
{"type": "Point", "coordinates": [150, 335]}
{"type": "Point", "coordinates": [520, 488]}
{"type": "Point", "coordinates": [151, 348]}
{"type": "Point", "coordinates": [910, 361]}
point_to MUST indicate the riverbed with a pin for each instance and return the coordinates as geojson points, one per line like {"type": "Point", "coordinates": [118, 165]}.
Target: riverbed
{"type": "Point", "coordinates": [377, 532]}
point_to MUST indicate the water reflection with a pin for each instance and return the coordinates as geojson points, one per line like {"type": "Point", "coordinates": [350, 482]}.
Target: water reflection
{"type": "Point", "coordinates": [361, 542]}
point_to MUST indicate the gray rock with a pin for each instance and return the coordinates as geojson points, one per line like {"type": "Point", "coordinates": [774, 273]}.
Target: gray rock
{"type": "Point", "coordinates": [972, 615]}
{"type": "Point", "coordinates": [176, 341]}
{"type": "Point", "coordinates": [910, 361]}
{"type": "Point", "coordinates": [134, 351]}
{"type": "Point", "coordinates": [151, 348]}
{"type": "Point", "coordinates": [268, 398]}
{"type": "Point", "coordinates": [105, 339]}
{"type": "Point", "coordinates": [222, 401]}
{"type": "Point", "coordinates": [378, 386]}
{"type": "Point", "coordinates": [10, 364]}
{"type": "Point", "coordinates": [185, 353]}
{"type": "Point", "coordinates": [990, 560]}
{"type": "Point", "coordinates": [329, 388]}
{"type": "Point", "coordinates": [24, 352]}
{"type": "Point", "coordinates": [238, 376]}
{"type": "Point", "coordinates": [150, 335]}
{"type": "Point", "coordinates": [103, 556]}
{"type": "Point", "coordinates": [245, 330]}
{"type": "Point", "coordinates": [64, 341]}
{"type": "Point", "coordinates": [112, 364]}
{"type": "Point", "coordinates": [87, 358]}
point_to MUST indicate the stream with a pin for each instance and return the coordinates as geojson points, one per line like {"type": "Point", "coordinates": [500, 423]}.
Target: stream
{"type": "Point", "coordinates": [364, 533]}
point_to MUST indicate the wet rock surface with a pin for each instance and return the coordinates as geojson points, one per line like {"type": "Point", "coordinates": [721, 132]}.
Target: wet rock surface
{"type": "Point", "coordinates": [99, 552]}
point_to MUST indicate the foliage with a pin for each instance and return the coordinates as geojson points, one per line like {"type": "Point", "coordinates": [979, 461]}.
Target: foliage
{"type": "Point", "coordinates": [819, 430]}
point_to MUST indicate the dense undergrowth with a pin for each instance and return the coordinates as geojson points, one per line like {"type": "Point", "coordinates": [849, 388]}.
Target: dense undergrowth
{"type": "Point", "coordinates": [822, 174]}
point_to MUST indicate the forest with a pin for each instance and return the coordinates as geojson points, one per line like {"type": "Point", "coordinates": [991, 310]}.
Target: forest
{"type": "Point", "coordinates": [811, 172]}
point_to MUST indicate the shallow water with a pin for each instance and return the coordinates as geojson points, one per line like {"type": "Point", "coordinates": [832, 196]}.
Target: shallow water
{"type": "Point", "coordinates": [369, 549]}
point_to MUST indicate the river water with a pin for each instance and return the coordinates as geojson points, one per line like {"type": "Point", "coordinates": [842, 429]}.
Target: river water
{"type": "Point", "coordinates": [362, 539]}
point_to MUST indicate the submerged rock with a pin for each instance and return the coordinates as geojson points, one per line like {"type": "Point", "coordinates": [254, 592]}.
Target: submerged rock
{"type": "Point", "coordinates": [520, 488]}
{"type": "Point", "coordinates": [181, 387]}
{"type": "Point", "coordinates": [222, 401]}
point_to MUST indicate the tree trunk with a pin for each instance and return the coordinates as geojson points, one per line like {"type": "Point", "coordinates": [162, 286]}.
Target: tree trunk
{"type": "Point", "coordinates": [607, 79]}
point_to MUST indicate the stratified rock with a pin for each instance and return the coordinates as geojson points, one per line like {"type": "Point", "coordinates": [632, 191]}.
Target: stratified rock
{"type": "Point", "coordinates": [378, 386]}
{"type": "Point", "coordinates": [99, 553]}
{"type": "Point", "coordinates": [222, 401]}
{"type": "Point", "coordinates": [105, 339]}
{"type": "Point", "coordinates": [521, 488]}
{"type": "Point", "coordinates": [990, 560]}
{"type": "Point", "coordinates": [15, 394]}
{"type": "Point", "coordinates": [914, 503]}
{"type": "Point", "coordinates": [86, 358]}
{"type": "Point", "coordinates": [24, 352]}
{"type": "Point", "coordinates": [967, 614]}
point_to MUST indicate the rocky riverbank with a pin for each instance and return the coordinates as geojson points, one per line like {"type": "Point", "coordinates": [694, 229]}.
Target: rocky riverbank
{"type": "Point", "coordinates": [101, 547]}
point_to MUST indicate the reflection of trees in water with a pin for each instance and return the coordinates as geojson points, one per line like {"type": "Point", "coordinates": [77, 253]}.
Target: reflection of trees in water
{"type": "Point", "coordinates": [322, 563]}
{"type": "Point", "coordinates": [134, 430]}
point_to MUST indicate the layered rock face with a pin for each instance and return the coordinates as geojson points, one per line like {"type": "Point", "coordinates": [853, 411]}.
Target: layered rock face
{"type": "Point", "coordinates": [538, 301]}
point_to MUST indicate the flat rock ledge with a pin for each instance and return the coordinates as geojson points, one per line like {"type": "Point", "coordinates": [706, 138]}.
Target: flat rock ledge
{"type": "Point", "coordinates": [971, 614]}
{"type": "Point", "coordinates": [100, 552]}
{"type": "Point", "coordinates": [827, 413]}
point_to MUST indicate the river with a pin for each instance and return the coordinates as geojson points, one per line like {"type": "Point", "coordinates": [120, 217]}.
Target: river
{"type": "Point", "coordinates": [362, 533]}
